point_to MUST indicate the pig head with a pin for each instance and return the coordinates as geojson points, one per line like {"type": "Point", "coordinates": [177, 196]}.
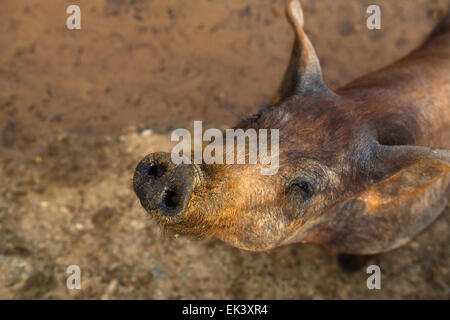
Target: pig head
{"type": "Point", "coordinates": [361, 170]}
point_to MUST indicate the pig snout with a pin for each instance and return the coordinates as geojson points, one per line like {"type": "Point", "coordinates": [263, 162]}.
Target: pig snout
{"type": "Point", "coordinates": [163, 187]}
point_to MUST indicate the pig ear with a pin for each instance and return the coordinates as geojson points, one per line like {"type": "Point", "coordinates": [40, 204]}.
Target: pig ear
{"type": "Point", "coordinates": [303, 76]}
{"type": "Point", "coordinates": [402, 171]}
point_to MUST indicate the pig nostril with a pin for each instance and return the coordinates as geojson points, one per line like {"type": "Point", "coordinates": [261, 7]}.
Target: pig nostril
{"type": "Point", "coordinates": [157, 170]}
{"type": "Point", "coordinates": [171, 199]}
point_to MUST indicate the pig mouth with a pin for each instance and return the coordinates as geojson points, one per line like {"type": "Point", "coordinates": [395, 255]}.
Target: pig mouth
{"type": "Point", "coordinates": [164, 188]}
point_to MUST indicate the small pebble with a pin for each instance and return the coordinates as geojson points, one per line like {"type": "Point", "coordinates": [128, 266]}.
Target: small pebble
{"type": "Point", "coordinates": [146, 132]}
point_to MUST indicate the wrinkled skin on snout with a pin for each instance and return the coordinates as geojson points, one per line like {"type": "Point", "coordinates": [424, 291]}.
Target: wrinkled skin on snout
{"type": "Point", "coordinates": [360, 171]}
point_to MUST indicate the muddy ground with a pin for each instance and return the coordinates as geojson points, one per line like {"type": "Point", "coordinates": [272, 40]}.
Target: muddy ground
{"type": "Point", "coordinates": [78, 109]}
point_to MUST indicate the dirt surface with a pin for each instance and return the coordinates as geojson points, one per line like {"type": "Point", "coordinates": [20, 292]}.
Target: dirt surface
{"type": "Point", "coordinates": [79, 109]}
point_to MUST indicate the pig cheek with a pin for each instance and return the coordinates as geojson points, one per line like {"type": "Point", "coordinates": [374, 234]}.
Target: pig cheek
{"type": "Point", "coordinates": [295, 209]}
{"type": "Point", "coordinates": [259, 231]}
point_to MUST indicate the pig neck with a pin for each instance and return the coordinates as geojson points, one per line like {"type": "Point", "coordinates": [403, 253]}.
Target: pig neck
{"type": "Point", "coordinates": [409, 101]}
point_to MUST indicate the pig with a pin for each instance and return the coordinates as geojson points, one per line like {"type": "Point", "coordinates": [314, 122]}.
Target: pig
{"type": "Point", "coordinates": [362, 170]}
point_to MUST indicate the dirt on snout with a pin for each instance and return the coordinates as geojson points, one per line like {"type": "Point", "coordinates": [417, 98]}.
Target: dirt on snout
{"type": "Point", "coordinates": [79, 109]}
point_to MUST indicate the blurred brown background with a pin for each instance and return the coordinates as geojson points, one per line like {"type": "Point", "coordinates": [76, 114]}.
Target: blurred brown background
{"type": "Point", "coordinates": [79, 108]}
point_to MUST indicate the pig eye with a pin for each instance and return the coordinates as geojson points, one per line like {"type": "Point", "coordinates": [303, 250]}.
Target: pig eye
{"type": "Point", "coordinates": [255, 118]}
{"type": "Point", "coordinates": [303, 188]}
